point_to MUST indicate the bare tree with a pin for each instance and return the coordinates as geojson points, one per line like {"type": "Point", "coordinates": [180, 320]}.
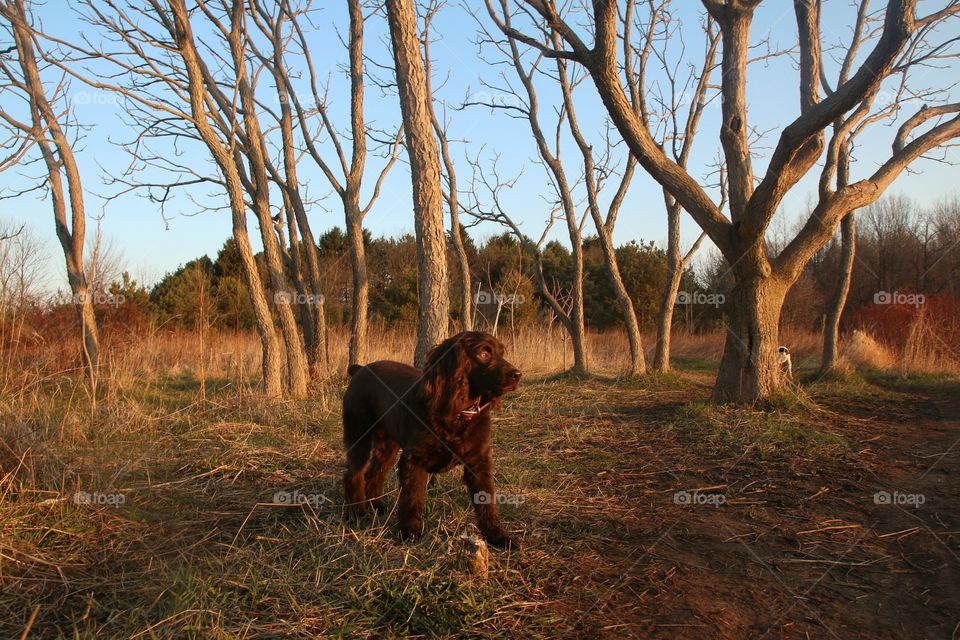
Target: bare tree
{"type": "Point", "coordinates": [525, 104]}
{"type": "Point", "coordinates": [678, 106]}
{"type": "Point", "coordinates": [46, 131]}
{"type": "Point", "coordinates": [490, 207]}
{"type": "Point", "coordinates": [411, 79]}
{"type": "Point", "coordinates": [592, 175]}
{"type": "Point", "coordinates": [451, 195]}
{"type": "Point", "coordinates": [345, 176]}
{"type": "Point", "coordinates": [258, 188]}
{"type": "Point", "coordinates": [749, 370]}
{"type": "Point", "coordinates": [214, 99]}
{"type": "Point", "coordinates": [845, 131]}
{"type": "Point", "coordinates": [178, 24]}
{"type": "Point", "coordinates": [174, 96]}
{"type": "Point", "coordinates": [302, 258]}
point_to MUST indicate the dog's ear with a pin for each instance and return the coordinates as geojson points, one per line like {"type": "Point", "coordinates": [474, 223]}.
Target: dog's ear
{"type": "Point", "coordinates": [444, 386]}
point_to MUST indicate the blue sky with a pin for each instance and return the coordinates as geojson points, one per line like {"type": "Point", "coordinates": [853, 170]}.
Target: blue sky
{"type": "Point", "coordinates": [152, 245]}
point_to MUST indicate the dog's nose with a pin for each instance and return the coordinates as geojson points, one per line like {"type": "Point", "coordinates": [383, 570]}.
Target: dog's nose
{"type": "Point", "coordinates": [515, 374]}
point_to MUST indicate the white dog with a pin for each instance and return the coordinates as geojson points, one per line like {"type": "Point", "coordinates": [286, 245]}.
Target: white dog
{"type": "Point", "coordinates": [783, 357]}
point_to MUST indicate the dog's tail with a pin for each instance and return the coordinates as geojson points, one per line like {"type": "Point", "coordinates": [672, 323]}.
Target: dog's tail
{"type": "Point", "coordinates": [352, 369]}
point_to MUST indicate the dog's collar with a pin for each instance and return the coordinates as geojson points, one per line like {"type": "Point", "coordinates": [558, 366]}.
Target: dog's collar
{"type": "Point", "coordinates": [473, 410]}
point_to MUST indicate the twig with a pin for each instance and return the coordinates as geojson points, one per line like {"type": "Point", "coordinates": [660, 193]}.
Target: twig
{"type": "Point", "coordinates": [33, 617]}
{"type": "Point", "coordinates": [833, 528]}
{"type": "Point", "coordinates": [830, 562]}
{"type": "Point", "coordinates": [817, 494]}
{"type": "Point", "coordinates": [909, 531]}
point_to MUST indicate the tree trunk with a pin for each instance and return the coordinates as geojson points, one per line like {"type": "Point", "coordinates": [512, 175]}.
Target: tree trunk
{"type": "Point", "coordinates": [831, 328]}
{"type": "Point", "coordinates": [463, 265]}
{"type": "Point", "coordinates": [637, 364]}
{"type": "Point", "coordinates": [89, 334]}
{"type": "Point", "coordinates": [425, 175]}
{"type": "Point", "coordinates": [259, 189]}
{"type": "Point", "coordinates": [186, 47]}
{"type": "Point", "coordinates": [71, 241]}
{"type": "Point", "coordinates": [305, 255]}
{"type": "Point", "coordinates": [749, 370]}
{"type": "Point", "coordinates": [361, 287]}
{"type": "Point", "coordinates": [577, 330]}
{"type": "Point", "coordinates": [578, 338]}
{"type": "Point", "coordinates": [293, 261]}
{"type": "Point", "coordinates": [59, 157]}
{"type": "Point", "coordinates": [661, 358]}
{"type": "Point", "coordinates": [572, 321]}
{"type": "Point", "coordinates": [456, 233]}
{"type": "Point", "coordinates": [269, 344]}
{"type": "Point", "coordinates": [306, 300]}
{"type": "Point", "coordinates": [296, 357]}
{"type": "Point", "coordinates": [317, 358]}
{"type": "Point", "coordinates": [453, 205]}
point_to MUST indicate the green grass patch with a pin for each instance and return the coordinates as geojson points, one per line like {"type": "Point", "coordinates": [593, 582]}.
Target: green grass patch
{"type": "Point", "coordinates": [774, 433]}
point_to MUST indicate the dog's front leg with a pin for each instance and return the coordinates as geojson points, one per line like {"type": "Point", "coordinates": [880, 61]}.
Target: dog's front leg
{"type": "Point", "coordinates": [478, 476]}
{"type": "Point", "coordinates": [413, 489]}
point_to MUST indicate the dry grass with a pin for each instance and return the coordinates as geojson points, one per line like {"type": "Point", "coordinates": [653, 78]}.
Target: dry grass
{"type": "Point", "coordinates": [861, 350]}
{"type": "Point", "coordinates": [232, 360]}
{"type": "Point", "coordinates": [925, 351]}
{"type": "Point", "coordinates": [200, 549]}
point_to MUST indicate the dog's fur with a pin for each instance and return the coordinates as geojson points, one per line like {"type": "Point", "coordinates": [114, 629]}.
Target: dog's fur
{"type": "Point", "coordinates": [391, 406]}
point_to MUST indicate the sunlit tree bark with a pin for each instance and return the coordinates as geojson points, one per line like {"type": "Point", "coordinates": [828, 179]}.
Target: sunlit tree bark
{"type": "Point", "coordinates": [421, 145]}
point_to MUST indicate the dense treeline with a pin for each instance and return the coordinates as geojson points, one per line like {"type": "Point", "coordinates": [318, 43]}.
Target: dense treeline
{"type": "Point", "coordinates": [210, 289]}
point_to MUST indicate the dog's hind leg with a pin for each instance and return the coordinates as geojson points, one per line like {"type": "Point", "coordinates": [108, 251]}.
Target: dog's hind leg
{"type": "Point", "coordinates": [381, 462]}
{"type": "Point", "coordinates": [357, 439]}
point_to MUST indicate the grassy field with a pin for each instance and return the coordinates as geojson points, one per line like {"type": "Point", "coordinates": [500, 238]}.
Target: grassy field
{"type": "Point", "coordinates": [644, 511]}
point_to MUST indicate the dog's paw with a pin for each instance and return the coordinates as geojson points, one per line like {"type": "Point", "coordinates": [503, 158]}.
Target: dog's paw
{"type": "Point", "coordinates": [355, 512]}
{"type": "Point", "coordinates": [411, 533]}
{"type": "Point", "coordinates": [501, 540]}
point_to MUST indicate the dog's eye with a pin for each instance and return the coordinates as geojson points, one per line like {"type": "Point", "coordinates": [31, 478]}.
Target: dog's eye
{"type": "Point", "coordinates": [483, 355]}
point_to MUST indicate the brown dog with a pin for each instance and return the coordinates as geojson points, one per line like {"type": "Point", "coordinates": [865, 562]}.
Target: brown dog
{"type": "Point", "coordinates": [439, 418]}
